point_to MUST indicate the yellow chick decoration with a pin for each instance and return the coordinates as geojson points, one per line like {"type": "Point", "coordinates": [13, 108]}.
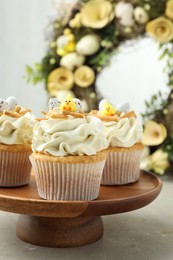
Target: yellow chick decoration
{"type": "Point", "coordinates": [68, 104]}
{"type": "Point", "coordinates": [66, 43]}
{"type": "Point", "coordinates": [108, 110]}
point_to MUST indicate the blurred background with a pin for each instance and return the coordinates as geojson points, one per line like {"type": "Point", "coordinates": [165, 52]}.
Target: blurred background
{"type": "Point", "coordinates": [133, 76]}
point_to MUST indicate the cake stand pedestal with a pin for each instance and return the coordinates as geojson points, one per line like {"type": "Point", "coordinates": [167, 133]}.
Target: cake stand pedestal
{"type": "Point", "coordinates": [73, 223]}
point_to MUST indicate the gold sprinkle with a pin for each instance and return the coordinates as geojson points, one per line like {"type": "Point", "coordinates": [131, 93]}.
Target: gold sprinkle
{"type": "Point", "coordinates": [75, 114]}
{"type": "Point", "coordinates": [11, 114]}
{"type": "Point", "coordinates": [129, 114]}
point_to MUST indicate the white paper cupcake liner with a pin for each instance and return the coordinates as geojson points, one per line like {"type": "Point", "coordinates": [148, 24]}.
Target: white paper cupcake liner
{"type": "Point", "coordinates": [15, 168]}
{"type": "Point", "coordinates": [121, 168]}
{"type": "Point", "coordinates": [63, 181]}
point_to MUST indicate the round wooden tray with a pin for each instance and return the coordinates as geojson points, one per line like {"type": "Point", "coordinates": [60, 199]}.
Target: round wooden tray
{"type": "Point", "coordinates": [73, 223]}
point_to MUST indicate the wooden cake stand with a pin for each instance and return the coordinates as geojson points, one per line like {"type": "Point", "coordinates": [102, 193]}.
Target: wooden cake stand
{"type": "Point", "coordinates": [73, 223]}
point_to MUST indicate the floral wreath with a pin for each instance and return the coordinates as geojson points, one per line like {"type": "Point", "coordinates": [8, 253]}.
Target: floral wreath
{"type": "Point", "coordinates": [83, 36]}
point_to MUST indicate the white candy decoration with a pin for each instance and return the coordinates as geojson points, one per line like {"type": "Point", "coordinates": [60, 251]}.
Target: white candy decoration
{"type": "Point", "coordinates": [101, 104]}
{"type": "Point", "coordinates": [12, 102]}
{"type": "Point", "coordinates": [3, 105]}
{"type": "Point", "coordinates": [140, 15]}
{"type": "Point", "coordinates": [62, 41]}
{"type": "Point", "coordinates": [72, 60]}
{"type": "Point", "coordinates": [53, 102]}
{"type": "Point", "coordinates": [78, 104]}
{"type": "Point", "coordinates": [84, 105]}
{"type": "Point", "coordinates": [62, 94]}
{"type": "Point", "coordinates": [88, 45]}
{"type": "Point", "coordinates": [124, 12]}
{"type": "Point", "coordinates": [123, 107]}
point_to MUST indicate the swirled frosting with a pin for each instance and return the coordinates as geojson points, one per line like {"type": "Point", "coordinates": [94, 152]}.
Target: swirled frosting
{"type": "Point", "coordinates": [124, 133]}
{"type": "Point", "coordinates": [16, 130]}
{"type": "Point", "coordinates": [72, 136]}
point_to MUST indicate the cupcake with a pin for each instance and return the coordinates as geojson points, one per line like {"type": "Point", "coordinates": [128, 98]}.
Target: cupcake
{"type": "Point", "coordinates": [16, 128]}
{"type": "Point", "coordinates": [67, 156]}
{"type": "Point", "coordinates": [124, 135]}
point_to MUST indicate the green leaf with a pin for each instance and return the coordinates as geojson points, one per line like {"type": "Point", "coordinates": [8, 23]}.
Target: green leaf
{"type": "Point", "coordinates": [38, 67]}
{"type": "Point", "coordinates": [28, 69]}
{"type": "Point", "coordinates": [34, 75]}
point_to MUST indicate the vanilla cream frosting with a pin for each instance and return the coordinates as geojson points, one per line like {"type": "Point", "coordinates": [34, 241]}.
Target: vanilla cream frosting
{"type": "Point", "coordinates": [16, 130]}
{"type": "Point", "coordinates": [72, 136]}
{"type": "Point", "coordinates": [124, 133]}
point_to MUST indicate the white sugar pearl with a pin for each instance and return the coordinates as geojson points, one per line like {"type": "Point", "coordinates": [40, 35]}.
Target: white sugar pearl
{"type": "Point", "coordinates": [101, 104]}
{"type": "Point", "coordinates": [78, 104]}
{"type": "Point", "coordinates": [3, 105]}
{"type": "Point", "coordinates": [12, 102]}
{"type": "Point", "coordinates": [53, 102]}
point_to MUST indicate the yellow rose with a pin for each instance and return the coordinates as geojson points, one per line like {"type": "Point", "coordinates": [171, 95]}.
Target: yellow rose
{"type": "Point", "coordinates": [161, 29]}
{"type": "Point", "coordinates": [159, 161]}
{"type": "Point", "coordinates": [76, 21]}
{"type": "Point", "coordinates": [169, 9]}
{"type": "Point", "coordinates": [84, 76]}
{"type": "Point", "coordinates": [97, 14]}
{"type": "Point", "coordinates": [60, 78]}
{"type": "Point", "coordinates": [145, 162]}
{"type": "Point", "coordinates": [154, 133]}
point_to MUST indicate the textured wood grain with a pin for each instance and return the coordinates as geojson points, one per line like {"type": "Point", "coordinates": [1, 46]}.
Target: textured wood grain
{"type": "Point", "coordinates": [111, 200]}
{"type": "Point", "coordinates": [58, 232]}
{"type": "Point", "coordinates": [73, 223]}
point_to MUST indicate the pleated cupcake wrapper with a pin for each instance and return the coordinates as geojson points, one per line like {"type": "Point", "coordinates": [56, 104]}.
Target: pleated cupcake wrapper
{"type": "Point", "coordinates": [15, 168]}
{"type": "Point", "coordinates": [63, 181]}
{"type": "Point", "coordinates": [121, 168]}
